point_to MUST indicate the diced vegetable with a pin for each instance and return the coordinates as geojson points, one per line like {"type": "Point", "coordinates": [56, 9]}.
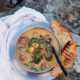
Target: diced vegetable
{"type": "Point", "coordinates": [31, 49]}
{"type": "Point", "coordinates": [35, 69]}
{"type": "Point", "coordinates": [36, 60]}
{"type": "Point", "coordinates": [37, 53]}
{"type": "Point", "coordinates": [39, 41]}
{"type": "Point", "coordinates": [35, 45]}
{"type": "Point", "coordinates": [27, 50]}
{"type": "Point", "coordinates": [33, 33]}
{"type": "Point", "coordinates": [27, 46]}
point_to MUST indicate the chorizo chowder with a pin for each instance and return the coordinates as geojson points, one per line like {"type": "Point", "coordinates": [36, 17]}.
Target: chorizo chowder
{"type": "Point", "coordinates": [33, 49]}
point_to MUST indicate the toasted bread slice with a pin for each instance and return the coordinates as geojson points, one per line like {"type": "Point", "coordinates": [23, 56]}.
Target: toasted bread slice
{"type": "Point", "coordinates": [67, 58]}
{"type": "Point", "coordinates": [61, 33]}
{"type": "Point", "coordinates": [56, 71]}
{"type": "Point", "coordinates": [68, 46]}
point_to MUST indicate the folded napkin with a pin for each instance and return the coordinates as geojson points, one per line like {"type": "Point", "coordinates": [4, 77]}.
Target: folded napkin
{"type": "Point", "coordinates": [8, 26]}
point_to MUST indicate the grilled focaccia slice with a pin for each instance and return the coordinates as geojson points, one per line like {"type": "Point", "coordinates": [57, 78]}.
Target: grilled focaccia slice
{"type": "Point", "coordinates": [61, 33]}
{"type": "Point", "coordinates": [68, 46]}
{"type": "Point", "coordinates": [67, 58]}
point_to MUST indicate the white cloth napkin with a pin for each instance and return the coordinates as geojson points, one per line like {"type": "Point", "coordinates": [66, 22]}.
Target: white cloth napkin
{"type": "Point", "coordinates": [8, 26]}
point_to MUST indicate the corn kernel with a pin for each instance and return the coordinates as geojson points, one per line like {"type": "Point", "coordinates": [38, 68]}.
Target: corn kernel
{"type": "Point", "coordinates": [31, 49]}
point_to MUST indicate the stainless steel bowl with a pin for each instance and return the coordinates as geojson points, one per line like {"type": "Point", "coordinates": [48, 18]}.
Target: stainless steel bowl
{"type": "Point", "coordinates": [17, 35]}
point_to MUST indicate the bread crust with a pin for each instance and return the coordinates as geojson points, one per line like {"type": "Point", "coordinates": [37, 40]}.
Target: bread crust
{"type": "Point", "coordinates": [68, 54]}
{"type": "Point", "coordinates": [61, 33]}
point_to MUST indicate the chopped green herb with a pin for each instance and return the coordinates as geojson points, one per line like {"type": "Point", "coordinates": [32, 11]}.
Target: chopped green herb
{"type": "Point", "coordinates": [35, 69]}
{"type": "Point", "coordinates": [37, 53]}
{"type": "Point", "coordinates": [46, 49]}
{"type": "Point", "coordinates": [33, 33]}
{"type": "Point", "coordinates": [27, 50]}
{"type": "Point", "coordinates": [39, 40]}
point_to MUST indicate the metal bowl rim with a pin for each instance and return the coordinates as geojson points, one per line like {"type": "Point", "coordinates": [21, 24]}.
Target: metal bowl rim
{"type": "Point", "coordinates": [31, 70]}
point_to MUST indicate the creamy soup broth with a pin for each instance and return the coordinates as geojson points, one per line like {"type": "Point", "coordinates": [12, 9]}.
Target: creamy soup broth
{"type": "Point", "coordinates": [33, 49]}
